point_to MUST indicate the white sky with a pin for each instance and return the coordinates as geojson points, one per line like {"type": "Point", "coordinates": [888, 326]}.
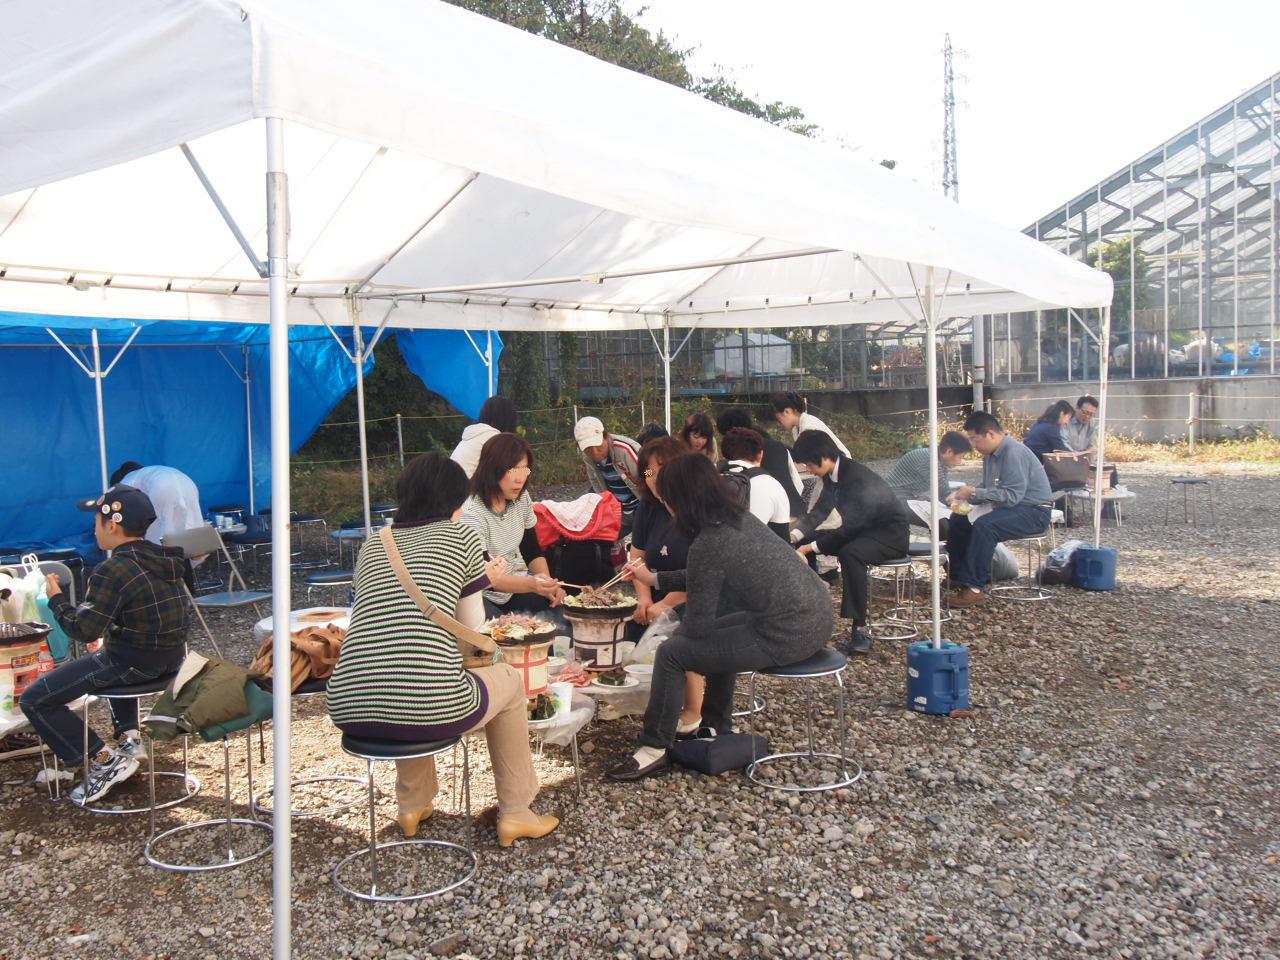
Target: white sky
{"type": "Point", "coordinates": [1056, 96]}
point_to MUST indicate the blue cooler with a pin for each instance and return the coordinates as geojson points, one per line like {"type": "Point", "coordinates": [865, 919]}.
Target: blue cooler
{"type": "Point", "coordinates": [1095, 568]}
{"type": "Point", "coordinates": [937, 679]}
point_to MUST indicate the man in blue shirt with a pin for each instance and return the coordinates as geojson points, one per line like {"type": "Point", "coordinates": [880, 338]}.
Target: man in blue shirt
{"type": "Point", "coordinates": [1013, 502]}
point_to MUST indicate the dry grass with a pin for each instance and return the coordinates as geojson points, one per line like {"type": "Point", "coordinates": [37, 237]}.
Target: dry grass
{"type": "Point", "coordinates": [1263, 449]}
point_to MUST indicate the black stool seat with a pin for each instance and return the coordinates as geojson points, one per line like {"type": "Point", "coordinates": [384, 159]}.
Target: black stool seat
{"type": "Point", "coordinates": [1190, 481]}
{"type": "Point", "coordinates": [895, 562]}
{"type": "Point", "coordinates": [372, 749]}
{"type": "Point", "coordinates": [329, 578]}
{"type": "Point", "coordinates": [125, 691]}
{"type": "Point", "coordinates": [250, 539]}
{"type": "Point", "coordinates": [824, 661]}
{"type": "Point", "coordinates": [310, 687]}
{"type": "Point", "coordinates": [383, 507]}
{"type": "Point", "coordinates": [917, 550]}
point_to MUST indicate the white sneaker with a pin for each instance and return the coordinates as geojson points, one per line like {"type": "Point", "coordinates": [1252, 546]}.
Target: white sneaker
{"type": "Point", "coordinates": [130, 744]}
{"type": "Point", "coordinates": [105, 771]}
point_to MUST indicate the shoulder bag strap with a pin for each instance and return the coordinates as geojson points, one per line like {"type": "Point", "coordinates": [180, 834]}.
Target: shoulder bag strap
{"type": "Point", "coordinates": [455, 627]}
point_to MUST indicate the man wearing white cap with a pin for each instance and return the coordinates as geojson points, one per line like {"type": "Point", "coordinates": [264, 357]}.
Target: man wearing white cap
{"type": "Point", "coordinates": [612, 462]}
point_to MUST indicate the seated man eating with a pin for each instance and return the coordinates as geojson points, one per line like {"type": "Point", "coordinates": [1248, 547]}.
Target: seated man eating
{"type": "Point", "coordinates": [1012, 502]}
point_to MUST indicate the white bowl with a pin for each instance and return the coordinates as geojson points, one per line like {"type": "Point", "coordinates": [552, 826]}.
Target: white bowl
{"type": "Point", "coordinates": [641, 671]}
{"type": "Point", "coordinates": [555, 665]}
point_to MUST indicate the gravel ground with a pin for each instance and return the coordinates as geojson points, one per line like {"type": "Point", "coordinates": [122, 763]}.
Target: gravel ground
{"type": "Point", "coordinates": [1113, 797]}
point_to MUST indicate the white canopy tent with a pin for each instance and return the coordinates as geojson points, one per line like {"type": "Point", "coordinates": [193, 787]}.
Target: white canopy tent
{"type": "Point", "coordinates": [453, 171]}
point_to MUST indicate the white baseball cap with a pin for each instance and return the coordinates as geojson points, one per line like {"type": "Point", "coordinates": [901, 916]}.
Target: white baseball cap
{"type": "Point", "coordinates": [589, 432]}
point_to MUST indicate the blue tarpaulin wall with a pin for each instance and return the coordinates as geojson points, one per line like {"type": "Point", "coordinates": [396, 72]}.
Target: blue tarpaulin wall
{"type": "Point", "coordinates": [172, 399]}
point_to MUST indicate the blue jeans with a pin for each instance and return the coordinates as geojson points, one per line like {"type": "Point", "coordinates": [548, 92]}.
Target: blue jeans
{"type": "Point", "coordinates": [731, 649]}
{"type": "Point", "coordinates": [970, 546]}
{"type": "Point", "coordinates": [44, 702]}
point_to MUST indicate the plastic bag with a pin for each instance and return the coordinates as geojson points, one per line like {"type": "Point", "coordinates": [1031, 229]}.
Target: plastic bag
{"type": "Point", "coordinates": [1004, 565]}
{"type": "Point", "coordinates": [1059, 565]}
{"type": "Point", "coordinates": [653, 638]}
{"type": "Point", "coordinates": [13, 597]}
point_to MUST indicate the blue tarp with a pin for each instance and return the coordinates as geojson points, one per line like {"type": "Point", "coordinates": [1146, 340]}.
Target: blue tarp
{"type": "Point", "coordinates": [172, 399]}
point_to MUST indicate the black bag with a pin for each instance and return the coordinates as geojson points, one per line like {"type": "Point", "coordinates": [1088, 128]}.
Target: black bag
{"type": "Point", "coordinates": [739, 481]}
{"type": "Point", "coordinates": [581, 561]}
{"type": "Point", "coordinates": [717, 754]}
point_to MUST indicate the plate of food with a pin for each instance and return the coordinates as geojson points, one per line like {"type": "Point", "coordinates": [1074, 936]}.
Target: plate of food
{"type": "Point", "coordinates": [542, 709]}
{"type": "Point", "coordinates": [594, 604]}
{"type": "Point", "coordinates": [616, 679]}
{"type": "Point", "coordinates": [516, 628]}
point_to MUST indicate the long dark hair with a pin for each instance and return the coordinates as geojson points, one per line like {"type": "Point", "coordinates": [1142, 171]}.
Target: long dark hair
{"type": "Point", "coordinates": [499, 413]}
{"type": "Point", "coordinates": [696, 494]}
{"type": "Point", "coordinates": [700, 424]}
{"type": "Point", "coordinates": [1054, 411]}
{"type": "Point", "coordinates": [499, 454]}
{"type": "Point", "coordinates": [430, 485]}
{"type": "Point", "coordinates": [661, 450]}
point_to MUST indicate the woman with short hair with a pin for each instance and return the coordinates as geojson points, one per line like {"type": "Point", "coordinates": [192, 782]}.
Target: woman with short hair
{"type": "Point", "coordinates": [501, 511]}
{"type": "Point", "coordinates": [700, 436]}
{"type": "Point", "coordinates": [400, 675]}
{"type": "Point", "coordinates": [751, 604]}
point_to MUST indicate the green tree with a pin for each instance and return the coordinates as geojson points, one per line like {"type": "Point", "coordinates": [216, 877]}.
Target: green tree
{"type": "Point", "coordinates": [570, 352]}
{"type": "Point", "coordinates": [522, 374]}
{"type": "Point", "coordinates": [1113, 258]}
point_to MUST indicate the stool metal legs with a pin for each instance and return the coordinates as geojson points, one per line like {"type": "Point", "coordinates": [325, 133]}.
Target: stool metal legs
{"type": "Point", "coordinates": [1034, 591]}
{"type": "Point", "coordinates": [848, 770]}
{"type": "Point", "coordinates": [191, 785]}
{"type": "Point", "coordinates": [891, 627]}
{"type": "Point", "coordinates": [755, 702]}
{"type": "Point", "coordinates": [372, 894]}
{"type": "Point", "coordinates": [228, 823]}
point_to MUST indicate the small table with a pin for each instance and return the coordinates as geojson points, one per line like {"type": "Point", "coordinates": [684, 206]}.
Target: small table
{"type": "Point", "coordinates": [262, 629]}
{"type": "Point", "coordinates": [17, 722]}
{"type": "Point", "coordinates": [1118, 496]}
{"type": "Point", "coordinates": [563, 729]}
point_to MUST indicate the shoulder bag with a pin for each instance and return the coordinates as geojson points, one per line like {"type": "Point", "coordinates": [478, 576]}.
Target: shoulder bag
{"type": "Point", "coordinates": [469, 641]}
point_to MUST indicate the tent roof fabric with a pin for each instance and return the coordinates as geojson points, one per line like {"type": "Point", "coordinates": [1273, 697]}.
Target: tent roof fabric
{"type": "Point", "coordinates": [429, 148]}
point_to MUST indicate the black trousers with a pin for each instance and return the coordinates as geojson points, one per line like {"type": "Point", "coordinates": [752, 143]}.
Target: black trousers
{"type": "Point", "coordinates": [869, 547]}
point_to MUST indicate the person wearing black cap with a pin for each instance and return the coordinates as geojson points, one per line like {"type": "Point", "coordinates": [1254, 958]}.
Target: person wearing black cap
{"type": "Point", "coordinates": [136, 603]}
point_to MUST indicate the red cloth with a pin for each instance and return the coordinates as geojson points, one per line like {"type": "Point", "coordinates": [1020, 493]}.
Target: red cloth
{"type": "Point", "coordinates": [606, 523]}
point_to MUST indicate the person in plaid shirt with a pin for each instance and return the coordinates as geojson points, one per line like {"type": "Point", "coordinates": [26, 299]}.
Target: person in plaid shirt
{"type": "Point", "coordinates": [136, 603]}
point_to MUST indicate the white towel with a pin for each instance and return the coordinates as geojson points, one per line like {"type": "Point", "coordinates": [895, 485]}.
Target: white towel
{"type": "Point", "coordinates": [574, 514]}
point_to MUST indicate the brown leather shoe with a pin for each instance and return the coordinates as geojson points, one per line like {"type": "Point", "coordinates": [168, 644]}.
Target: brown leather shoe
{"type": "Point", "coordinates": [964, 597]}
{"type": "Point", "coordinates": [409, 820]}
{"type": "Point", "coordinates": [509, 831]}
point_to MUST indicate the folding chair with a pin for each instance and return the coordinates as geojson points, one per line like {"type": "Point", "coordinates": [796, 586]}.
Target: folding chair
{"type": "Point", "coordinates": [197, 542]}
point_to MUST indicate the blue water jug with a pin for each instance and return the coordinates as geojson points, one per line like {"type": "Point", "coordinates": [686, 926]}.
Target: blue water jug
{"type": "Point", "coordinates": [1095, 568]}
{"type": "Point", "coordinates": [937, 679]}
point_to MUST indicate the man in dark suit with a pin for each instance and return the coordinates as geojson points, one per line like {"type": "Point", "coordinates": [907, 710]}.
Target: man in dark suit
{"type": "Point", "coordinates": [873, 525]}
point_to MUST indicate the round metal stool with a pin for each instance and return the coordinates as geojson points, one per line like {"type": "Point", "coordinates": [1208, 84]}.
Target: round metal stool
{"type": "Point", "coordinates": [1189, 502]}
{"type": "Point", "coordinates": [899, 573]}
{"type": "Point", "coordinates": [374, 751]}
{"type": "Point", "coordinates": [825, 663]}
{"type": "Point", "coordinates": [191, 785]}
{"type": "Point", "coordinates": [919, 609]}
{"type": "Point", "coordinates": [228, 823]}
{"type": "Point", "coordinates": [756, 703]}
{"type": "Point", "coordinates": [329, 580]}
{"type": "Point", "coordinates": [1034, 591]}
{"type": "Point", "coordinates": [308, 688]}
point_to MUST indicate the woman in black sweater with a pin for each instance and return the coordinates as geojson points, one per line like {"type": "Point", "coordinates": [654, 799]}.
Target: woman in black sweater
{"type": "Point", "coordinates": [752, 603]}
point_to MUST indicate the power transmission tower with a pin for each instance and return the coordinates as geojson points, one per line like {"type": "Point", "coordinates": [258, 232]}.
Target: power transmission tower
{"type": "Point", "coordinates": [950, 176]}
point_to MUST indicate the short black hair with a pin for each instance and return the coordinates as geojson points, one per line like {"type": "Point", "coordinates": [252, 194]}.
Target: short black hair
{"type": "Point", "coordinates": [123, 471]}
{"type": "Point", "coordinates": [650, 431]}
{"type": "Point", "coordinates": [788, 401]}
{"type": "Point", "coordinates": [662, 450]}
{"type": "Point", "coordinates": [1087, 398]}
{"type": "Point", "coordinates": [700, 424]}
{"type": "Point", "coordinates": [499, 454]}
{"type": "Point", "coordinates": [430, 485]}
{"type": "Point", "coordinates": [732, 418]}
{"type": "Point", "coordinates": [742, 443]}
{"type": "Point", "coordinates": [1054, 411]}
{"type": "Point", "coordinates": [956, 442]}
{"type": "Point", "coordinates": [696, 494]}
{"type": "Point", "coordinates": [981, 422]}
{"type": "Point", "coordinates": [814, 446]}
{"type": "Point", "coordinates": [500, 413]}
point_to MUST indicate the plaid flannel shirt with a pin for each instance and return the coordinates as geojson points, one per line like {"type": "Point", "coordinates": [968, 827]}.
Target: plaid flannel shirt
{"type": "Point", "coordinates": [135, 601]}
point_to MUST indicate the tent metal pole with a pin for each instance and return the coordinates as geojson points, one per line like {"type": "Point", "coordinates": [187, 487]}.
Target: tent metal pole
{"type": "Point", "coordinates": [931, 373]}
{"type": "Point", "coordinates": [488, 358]}
{"type": "Point", "coordinates": [248, 424]}
{"type": "Point", "coordinates": [277, 292]}
{"type": "Point", "coordinates": [978, 364]}
{"type": "Point", "coordinates": [98, 376]}
{"type": "Point", "coordinates": [666, 368]}
{"type": "Point", "coordinates": [358, 360]}
{"type": "Point", "coordinates": [1102, 431]}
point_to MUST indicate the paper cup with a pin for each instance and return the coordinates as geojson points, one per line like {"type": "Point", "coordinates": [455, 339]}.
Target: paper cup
{"type": "Point", "coordinates": [560, 647]}
{"type": "Point", "coordinates": [562, 695]}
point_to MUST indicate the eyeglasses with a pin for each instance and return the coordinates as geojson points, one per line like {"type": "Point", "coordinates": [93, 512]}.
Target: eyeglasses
{"type": "Point", "coordinates": [521, 470]}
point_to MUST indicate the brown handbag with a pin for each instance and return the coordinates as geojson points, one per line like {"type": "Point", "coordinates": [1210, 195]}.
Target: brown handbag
{"type": "Point", "coordinates": [1066, 471]}
{"type": "Point", "coordinates": [466, 637]}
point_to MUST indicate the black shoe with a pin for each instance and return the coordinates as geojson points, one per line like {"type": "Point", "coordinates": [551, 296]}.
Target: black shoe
{"type": "Point", "coordinates": [859, 643]}
{"type": "Point", "coordinates": [630, 769]}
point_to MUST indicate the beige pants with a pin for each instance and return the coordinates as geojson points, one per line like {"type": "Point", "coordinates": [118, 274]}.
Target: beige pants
{"type": "Point", "coordinates": [506, 728]}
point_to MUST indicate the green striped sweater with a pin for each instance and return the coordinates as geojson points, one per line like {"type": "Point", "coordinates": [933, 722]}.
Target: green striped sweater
{"type": "Point", "coordinates": [396, 666]}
